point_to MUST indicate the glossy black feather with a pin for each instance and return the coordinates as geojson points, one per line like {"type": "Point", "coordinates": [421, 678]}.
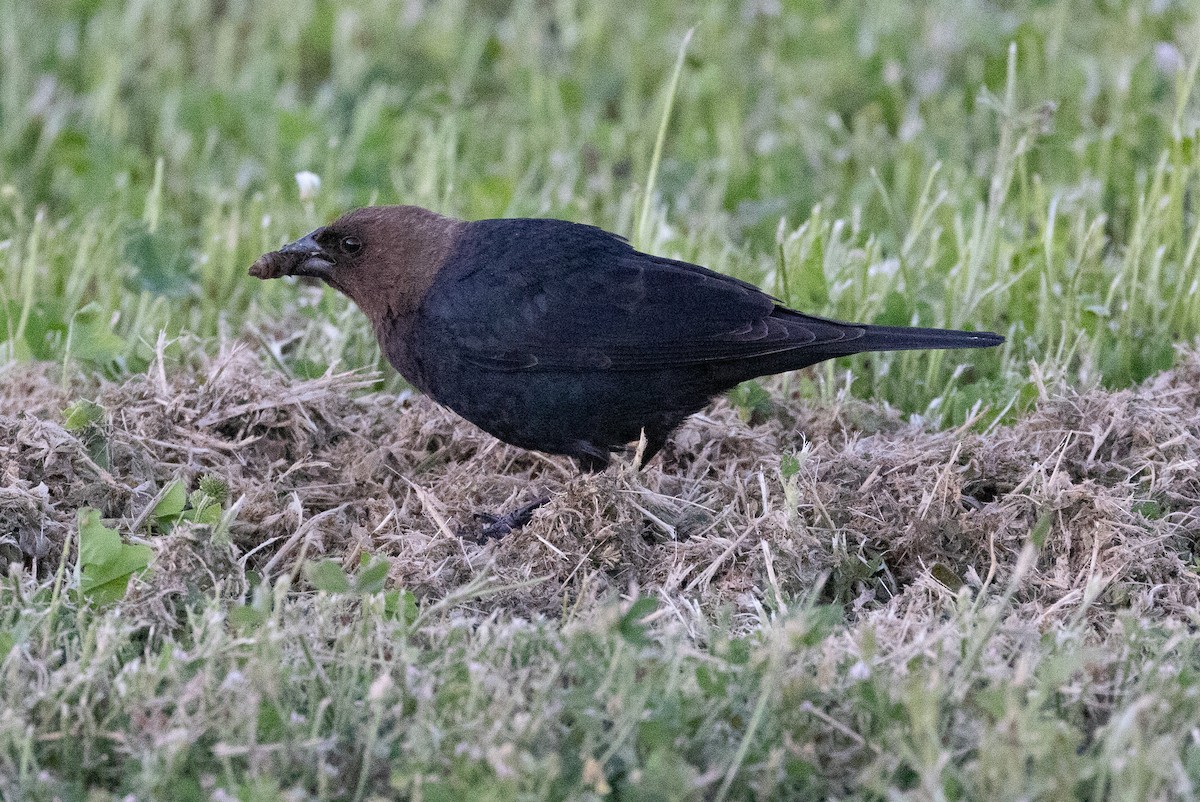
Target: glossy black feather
{"type": "Point", "coordinates": [563, 338]}
{"type": "Point", "coordinates": [564, 296]}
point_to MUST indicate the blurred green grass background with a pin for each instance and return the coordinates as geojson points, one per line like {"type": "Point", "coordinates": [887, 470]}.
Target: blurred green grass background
{"type": "Point", "coordinates": [1028, 168]}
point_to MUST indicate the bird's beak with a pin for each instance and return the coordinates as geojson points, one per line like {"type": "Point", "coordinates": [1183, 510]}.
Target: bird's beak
{"type": "Point", "coordinates": [306, 258]}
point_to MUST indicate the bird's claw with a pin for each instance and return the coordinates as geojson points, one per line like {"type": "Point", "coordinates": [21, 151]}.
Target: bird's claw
{"type": "Point", "coordinates": [497, 526]}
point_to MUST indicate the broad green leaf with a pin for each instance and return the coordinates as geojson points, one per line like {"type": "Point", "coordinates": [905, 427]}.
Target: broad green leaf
{"type": "Point", "coordinates": [208, 514]}
{"type": "Point", "coordinates": [86, 418]}
{"type": "Point", "coordinates": [92, 338]}
{"type": "Point", "coordinates": [789, 466]}
{"type": "Point", "coordinates": [372, 575]}
{"type": "Point", "coordinates": [171, 505]}
{"type": "Point", "coordinates": [106, 562]}
{"type": "Point", "coordinates": [400, 604]}
{"type": "Point", "coordinates": [631, 627]}
{"type": "Point", "coordinates": [751, 400]}
{"type": "Point", "coordinates": [328, 576]}
{"type": "Point", "coordinates": [244, 616]}
{"type": "Point", "coordinates": [82, 414]}
{"type": "Point", "coordinates": [97, 543]}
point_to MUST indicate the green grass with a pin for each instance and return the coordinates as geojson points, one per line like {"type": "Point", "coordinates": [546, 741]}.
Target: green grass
{"type": "Point", "coordinates": [334, 696]}
{"type": "Point", "coordinates": [1023, 170]}
{"type": "Point", "coordinates": [1028, 168]}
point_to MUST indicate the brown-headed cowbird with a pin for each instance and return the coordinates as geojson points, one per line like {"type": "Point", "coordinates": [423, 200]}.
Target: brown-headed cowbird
{"type": "Point", "coordinates": [561, 337]}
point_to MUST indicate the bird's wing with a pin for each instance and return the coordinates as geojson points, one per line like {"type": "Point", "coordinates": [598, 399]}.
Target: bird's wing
{"type": "Point", "coordinates": [551, 295]}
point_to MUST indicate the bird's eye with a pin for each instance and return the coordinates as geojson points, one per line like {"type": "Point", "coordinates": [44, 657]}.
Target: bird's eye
{"type": "Point", "coordinates": [351, 245]}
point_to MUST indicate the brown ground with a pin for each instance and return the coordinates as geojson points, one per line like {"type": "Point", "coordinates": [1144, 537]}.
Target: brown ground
{"type": "Point", "coordinates": [880, 514]}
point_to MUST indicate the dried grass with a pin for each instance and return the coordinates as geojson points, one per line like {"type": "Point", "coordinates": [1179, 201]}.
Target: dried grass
{"type": "Point", "coordinates": [883, 514]}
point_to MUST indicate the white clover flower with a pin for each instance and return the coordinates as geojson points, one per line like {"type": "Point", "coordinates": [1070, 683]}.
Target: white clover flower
{"type": "Point", "coordinates": [860, 672]}
{"type": "Point", "coordinates": [379, 688]}
{"type": "Point", "coordinates": [1167, 58]}
{"type": "Point", "coordinates": [309, 184]}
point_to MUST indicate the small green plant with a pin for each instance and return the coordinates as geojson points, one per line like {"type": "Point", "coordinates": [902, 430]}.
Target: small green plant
{"type": "Point", "coordinates": [204, 505]}
{"type": "Point", "coordinates": [106, 564]}
{"type": "Point", "coordinates": [369, 579]}
{"type": "Point", "coordinates": [632, 626]}
{"type": "Point", "coordinates": [328, 576]}
{"type": "Point", "coordinates": [90, 338]}
{"type": "Point", "coordinates": [86, 419]}
{"type": "Point", "coordinates": [752, 401]}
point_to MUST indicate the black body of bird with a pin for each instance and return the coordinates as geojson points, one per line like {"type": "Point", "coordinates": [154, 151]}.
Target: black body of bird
{"type": "Point", "coordinates": [561, 337]}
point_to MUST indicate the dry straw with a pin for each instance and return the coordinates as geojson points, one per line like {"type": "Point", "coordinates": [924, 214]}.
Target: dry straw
{"type": "Point", "coordinates": [889, 517]}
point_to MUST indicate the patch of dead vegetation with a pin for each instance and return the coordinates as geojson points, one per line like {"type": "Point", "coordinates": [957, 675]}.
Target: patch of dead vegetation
{"type": "Point", "coordinates": [888, 516]}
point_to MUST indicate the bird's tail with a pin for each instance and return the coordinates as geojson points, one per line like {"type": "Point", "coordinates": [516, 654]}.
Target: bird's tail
{"type": "Point", "coordinates": [818, 339]}
{"type": "Point", "coordinates": [902, 338]}
{"type": "Point", "coordinates": [834, 339]}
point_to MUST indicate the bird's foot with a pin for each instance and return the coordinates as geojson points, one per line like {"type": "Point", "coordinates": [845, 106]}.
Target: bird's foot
{"type": "Point", "coordinates": [497, 526]}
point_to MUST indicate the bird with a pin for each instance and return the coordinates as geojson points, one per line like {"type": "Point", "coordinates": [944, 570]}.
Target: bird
{"type": "Point", "coordinates": [561, 337]}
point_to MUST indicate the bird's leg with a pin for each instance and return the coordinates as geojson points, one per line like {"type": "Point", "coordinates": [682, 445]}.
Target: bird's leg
{"type": "Point", "coordinates": [497, 526]}
{"type": "Point", "coordinates": [655, 440]}
{"type": "Point", "coordinates": [591, 458]}
{"type": "Point", "coordinates": [656, 432]}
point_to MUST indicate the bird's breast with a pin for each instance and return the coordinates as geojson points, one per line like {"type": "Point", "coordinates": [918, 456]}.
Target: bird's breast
{"type": "Point", "coordinates": [397, 341]}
